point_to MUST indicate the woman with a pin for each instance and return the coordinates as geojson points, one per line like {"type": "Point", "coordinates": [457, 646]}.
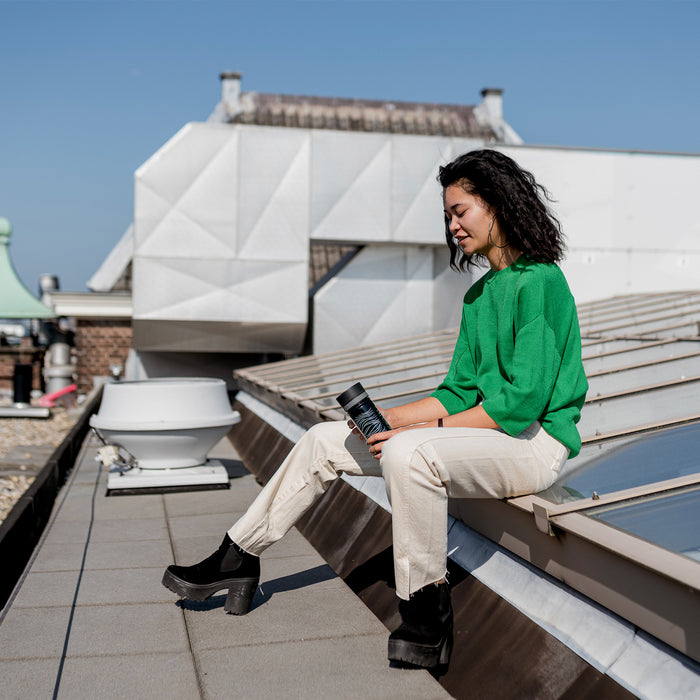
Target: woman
{"type": "Point", "coordinates": [501, 424]}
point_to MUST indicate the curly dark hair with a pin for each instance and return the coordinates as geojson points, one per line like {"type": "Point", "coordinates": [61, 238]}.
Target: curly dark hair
{"type": "Point", "coordinates": [514, 196]}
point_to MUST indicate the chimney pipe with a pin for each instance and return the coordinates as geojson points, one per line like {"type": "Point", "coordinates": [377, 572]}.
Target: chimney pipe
{"type": "Point", "coordinates": [492, 99]}
{"type": "Point", "coordinates": [231, 92]}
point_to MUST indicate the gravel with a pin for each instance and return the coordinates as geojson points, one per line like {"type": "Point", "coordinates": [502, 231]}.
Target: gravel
{"type": "Point", "coordinates": [11, 489]}
{"type": "Point", "coordinates": [16, 432]}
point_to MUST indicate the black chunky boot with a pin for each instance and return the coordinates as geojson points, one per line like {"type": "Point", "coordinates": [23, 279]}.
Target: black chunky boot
{"type": "Point", "coordinates": [229, 567]}
{"type": "Point", "coordinates": [425, 635]}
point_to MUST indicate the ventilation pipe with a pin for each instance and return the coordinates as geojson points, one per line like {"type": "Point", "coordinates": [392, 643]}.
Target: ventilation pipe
{"type": "Point", "coordinates": [59, 368]}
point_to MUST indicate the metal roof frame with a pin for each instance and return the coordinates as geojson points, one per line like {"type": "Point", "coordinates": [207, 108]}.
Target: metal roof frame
{"type": "Point", "coordinates": [650, 345]}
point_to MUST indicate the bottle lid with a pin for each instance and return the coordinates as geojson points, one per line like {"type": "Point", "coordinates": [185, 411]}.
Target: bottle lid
{"type": "Point", "coordinates": [351, 393]}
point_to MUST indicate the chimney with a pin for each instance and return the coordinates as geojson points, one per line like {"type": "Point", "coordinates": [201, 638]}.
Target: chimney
{"type": "Point", "coordinates": [492, 100]}
{"type": "Point", "coordinates": [489, 114]}
{"type": "Point", "coordinates": [231, 93]}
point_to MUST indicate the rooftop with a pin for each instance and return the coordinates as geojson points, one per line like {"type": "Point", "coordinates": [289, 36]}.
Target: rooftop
{"type": "Point", "coordinates": [90, 617]}
{"type": "Point", "coordinates": [598, 577]}
{"type": "Point", "coordinates": [482, 121]}
{"type": "Point", "coordinates": [623, 519]}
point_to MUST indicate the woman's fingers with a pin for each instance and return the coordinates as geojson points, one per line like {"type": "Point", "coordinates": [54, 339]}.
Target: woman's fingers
{"type": "Point", "coordinates": [376, 442]}
{"type": "Point", "coordinates": [355, 429]}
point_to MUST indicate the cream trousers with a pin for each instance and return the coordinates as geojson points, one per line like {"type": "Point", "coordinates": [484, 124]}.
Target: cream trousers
{"type": "Point", "coordinates": [421, 468]}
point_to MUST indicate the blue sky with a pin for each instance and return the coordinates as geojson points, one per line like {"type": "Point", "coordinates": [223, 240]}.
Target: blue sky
{"type": "Point", "coordinates": [91, 89]}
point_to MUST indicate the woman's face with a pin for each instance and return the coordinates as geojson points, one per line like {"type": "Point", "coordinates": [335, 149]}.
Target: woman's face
{"type": "Point", "coordinates": [469, 220]}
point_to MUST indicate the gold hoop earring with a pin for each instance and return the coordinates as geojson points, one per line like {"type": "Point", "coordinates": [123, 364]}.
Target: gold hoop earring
{"type": "Point", "coordinates": [491, 241]}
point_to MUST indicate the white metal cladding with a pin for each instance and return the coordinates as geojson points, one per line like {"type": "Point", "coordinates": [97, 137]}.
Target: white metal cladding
{"type": "Point", "coordinates": [220, 290]}
{"type": "Point", "coordinates": [385, 293]}
{"type": "Point", "coordinates": [224, 215]}
{"type": "Point", "coordinates": [628, 217]}
{"type": "Point", "coordinates": [372, 188]}
{"type": "Point", "coordinates": [221, 227]}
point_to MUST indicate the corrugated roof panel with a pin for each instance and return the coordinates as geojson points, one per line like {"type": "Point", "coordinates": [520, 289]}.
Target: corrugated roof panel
{"type": "Point", "coordinates": [649, 404]}
{"type": "Point", "coordinates": [626, 377]}
{"type": "Point", "coordinates": [643, 365]}
{"type": "Point", "coordinates": [601, 358]}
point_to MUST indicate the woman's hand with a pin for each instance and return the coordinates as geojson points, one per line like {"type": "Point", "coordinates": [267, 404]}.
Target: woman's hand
{"type": "Point", "coordinates": [474, 417]}
{"type": "Point", "coordinates": [375, 442]}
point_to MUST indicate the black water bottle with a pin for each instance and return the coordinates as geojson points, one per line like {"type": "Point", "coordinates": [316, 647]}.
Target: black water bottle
{"type": "Point", "coordinates": [366, 416]}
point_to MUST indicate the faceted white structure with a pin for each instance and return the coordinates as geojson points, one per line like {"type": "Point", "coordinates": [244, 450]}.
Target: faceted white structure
{"type": "Point", "coordinates": [221, 236]}
{"type": "Point", "coordinates": [385, 290]}
{"type": "Point", "coordinates": [225, 214]}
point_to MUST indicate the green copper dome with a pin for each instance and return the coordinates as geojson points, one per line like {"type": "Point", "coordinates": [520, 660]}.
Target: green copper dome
{"type": "Point", "coordinates": [16, 301]}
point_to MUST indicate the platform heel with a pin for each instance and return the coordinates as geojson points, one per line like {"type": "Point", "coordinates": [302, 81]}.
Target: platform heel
{"type": "Point", "coordinates": [446, 651]}
{"type": "Point", "coordinates": [425, 637]}
{"type": "Point", "coordinates": [229, 568]}
{"type": "Point", "coordinates": [240, 596]}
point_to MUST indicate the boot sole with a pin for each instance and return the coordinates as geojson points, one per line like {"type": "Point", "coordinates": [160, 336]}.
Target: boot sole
{"type": "Point", "coordinates": [240, 591]}
{"type": "Point", "coordinates": [423, 655]}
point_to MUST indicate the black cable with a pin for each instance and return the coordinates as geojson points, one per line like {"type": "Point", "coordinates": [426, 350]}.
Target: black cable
{"type": "Point", "coordinates": [77, 585]}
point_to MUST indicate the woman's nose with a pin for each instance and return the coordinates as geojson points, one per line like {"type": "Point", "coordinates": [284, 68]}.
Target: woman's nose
{"type": "Point", "coordinates": [454, 225]}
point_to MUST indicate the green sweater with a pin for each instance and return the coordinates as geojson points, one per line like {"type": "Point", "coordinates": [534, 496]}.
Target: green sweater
{"type": "Point", "coordinates": [519, 353]}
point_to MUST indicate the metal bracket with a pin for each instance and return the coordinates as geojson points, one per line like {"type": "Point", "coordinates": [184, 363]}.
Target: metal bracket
{"type": "Point", "coordinates": [542, 519]}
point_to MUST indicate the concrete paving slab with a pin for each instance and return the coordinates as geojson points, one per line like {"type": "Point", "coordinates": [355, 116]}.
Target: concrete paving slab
{"type": "Point", "coordinates": [129, 676]}
{"type": "Point", "coordinates": [227, 501]}
{"type": "Point", "coordinates": [87, 475]}
{"type": "Point", "coordinates": [42, 590]}
{"type": "Point", "coordinates": [94, 587]}
{"type": "Point", "coordinates": [282, 576]}
{"type": "Point", "coordinates": [80, 488]}
{"type": "Point", "coordinates": [118, 586]}
{"type": "Point", "coordinates": [224, 448]}
{"type": "Point", "coordinates": [102, 555]}
{"type": "Point", "coordinates": [338, 668]}
{"type": "Point", "coordinates": [298, 613]}
{"type": "Point", "coordinates": [114, 630]}
{"type": "Point", "coordinates": [28, 678]}
{"type": "Point", "coordinates": [307, 634]}
{"type": "Point", "coordinates": [305, 612]}
{"type": "Point", "coordinates": [59, 557]}
{"type": "Point", "coordinates": [34, 633]}
{"type": "Point", "coordinates": [189, 550]}
{"type": "Point", "coordinates": [108, 530]}
{"type": "Point", "coordinates": [293, 544]}
{"type": "Point", "coordinates": [212, 525]}
{"type": "Point", "coordinates": [79, 507]}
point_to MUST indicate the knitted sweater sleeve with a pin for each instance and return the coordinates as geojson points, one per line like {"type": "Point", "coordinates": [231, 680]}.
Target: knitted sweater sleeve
{"type": "Point", "coordinates": [458, 390]}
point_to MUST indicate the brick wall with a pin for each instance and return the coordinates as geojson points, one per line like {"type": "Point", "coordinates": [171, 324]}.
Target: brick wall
{"type": "Point", "coordinates": [99, 344]}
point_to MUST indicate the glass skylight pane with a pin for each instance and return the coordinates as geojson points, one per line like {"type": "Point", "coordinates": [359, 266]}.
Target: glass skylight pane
{"type": "Point", "coordinates": [669, 520]}
{"type": "Point", "coordinates": [667, 454]}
